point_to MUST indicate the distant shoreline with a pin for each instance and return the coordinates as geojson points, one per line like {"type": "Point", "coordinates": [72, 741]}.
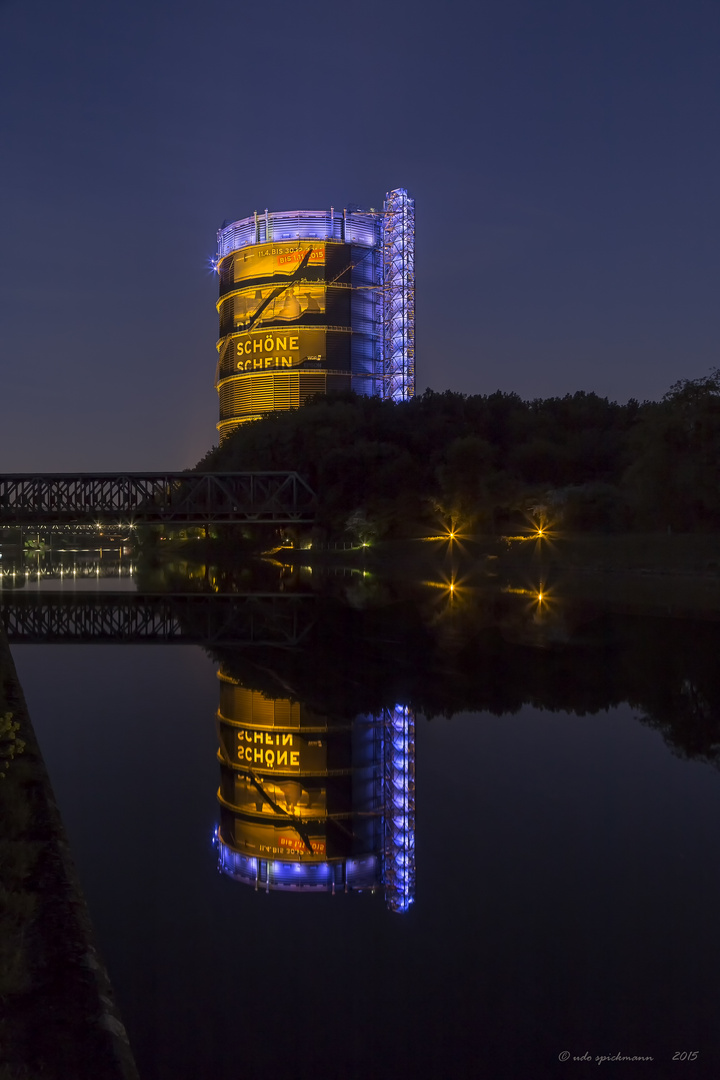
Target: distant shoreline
{"type": "Point", "coordinates": [686, 554]}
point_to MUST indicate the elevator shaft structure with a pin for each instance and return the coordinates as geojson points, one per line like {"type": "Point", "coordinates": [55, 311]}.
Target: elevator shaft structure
{"type": "Point", "coordinates": [398, 244]}
{"type": "Point", "coordinates": [399, 802]}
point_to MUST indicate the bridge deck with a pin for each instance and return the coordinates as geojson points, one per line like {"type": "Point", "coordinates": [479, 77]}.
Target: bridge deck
{"type": "Point", "coordinates": [169, 498]}
{"type": "Point", "coordinates": [122, 618]}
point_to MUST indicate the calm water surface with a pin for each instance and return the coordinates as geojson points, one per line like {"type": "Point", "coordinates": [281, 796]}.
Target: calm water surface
{"type": "Point", "coordinates": [566, 895]}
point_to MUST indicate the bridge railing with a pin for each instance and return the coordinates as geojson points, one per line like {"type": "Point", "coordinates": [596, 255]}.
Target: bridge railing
{"type": "Point", "coordinates": [176, 498]}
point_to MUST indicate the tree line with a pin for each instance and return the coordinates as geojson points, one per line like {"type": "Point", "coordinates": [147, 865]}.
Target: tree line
{"type": "Point", "coordinates": [484, 461]}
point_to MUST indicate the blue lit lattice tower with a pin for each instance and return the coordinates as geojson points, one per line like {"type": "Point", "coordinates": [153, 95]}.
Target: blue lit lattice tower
{"type": "Point", "coordinates": [399, 800]}
{"type": "Point", "coordinates": [398, 247]}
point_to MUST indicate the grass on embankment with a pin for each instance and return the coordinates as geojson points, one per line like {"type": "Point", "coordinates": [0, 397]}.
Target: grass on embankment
{"type": "Point", "coordinates": [19, 850]}
{"type": "Point", "coordinates": [54, 1022]}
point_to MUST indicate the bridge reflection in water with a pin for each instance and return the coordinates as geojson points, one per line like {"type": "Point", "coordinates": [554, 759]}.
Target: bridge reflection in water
{"type": "Point", "coordinates": [123, 618]}
{"type": "Point", "coordinates": [314, 803]}
{"type": "Point", "coordinates": [309, 802]}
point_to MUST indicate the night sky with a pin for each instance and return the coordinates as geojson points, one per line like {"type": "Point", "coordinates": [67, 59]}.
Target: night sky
{"type": "Point", "coordinates": [563, 155]}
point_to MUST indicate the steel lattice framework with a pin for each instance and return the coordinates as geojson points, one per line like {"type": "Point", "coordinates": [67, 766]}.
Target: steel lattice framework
{"type": "Point", "coordinates": [172, 498]}
{"type": "Point", "coordinates": [398, 246]}
{"type": "Point", "coordinates": [399, 792]}
{"type": "Point", "coordinates": [132, 618]}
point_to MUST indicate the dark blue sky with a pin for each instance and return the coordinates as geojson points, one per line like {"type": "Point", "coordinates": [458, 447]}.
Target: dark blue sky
{"type": "Point", "coordinates": [564, 158]}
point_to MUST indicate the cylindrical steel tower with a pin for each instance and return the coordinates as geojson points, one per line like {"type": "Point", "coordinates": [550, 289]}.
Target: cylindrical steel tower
{"type": "Point", "coordinates": [310, 303]}
{"type": "Point", "coordinates": [300, 310]}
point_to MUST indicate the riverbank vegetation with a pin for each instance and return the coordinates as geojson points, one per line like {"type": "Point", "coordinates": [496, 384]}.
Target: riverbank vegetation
{"type": "Point", "coordinates": [51, 1011]}
{"type": "Point", "coordinates": [18, 849]}
{"type": "Point", "coordinates": [486, 463]}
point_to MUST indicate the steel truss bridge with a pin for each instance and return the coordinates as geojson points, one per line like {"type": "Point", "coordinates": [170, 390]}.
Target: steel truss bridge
{"type": "Point", "coordinates": [133, 618]}
{"type": "Point", "coordinates": [171, 498]}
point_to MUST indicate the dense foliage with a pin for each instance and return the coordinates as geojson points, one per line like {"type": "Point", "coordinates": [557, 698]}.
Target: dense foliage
{"type": "Point", "coordinates": [484, 460]}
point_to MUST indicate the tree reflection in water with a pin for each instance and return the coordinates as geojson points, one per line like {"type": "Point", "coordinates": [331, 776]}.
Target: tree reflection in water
{"type": "Point", "coordinates": [495, 648]}
{"type": "Point", "coordinates": [317, 759]}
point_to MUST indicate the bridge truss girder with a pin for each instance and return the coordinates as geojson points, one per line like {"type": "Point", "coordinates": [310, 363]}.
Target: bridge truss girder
{"type": "Point", "coordinates": [130, 618]}
{"type": "Point", "coordinates": [170, 498]}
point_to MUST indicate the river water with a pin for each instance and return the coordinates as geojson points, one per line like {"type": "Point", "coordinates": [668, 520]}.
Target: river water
{"type": "Point", "coordinates": [492, 839]}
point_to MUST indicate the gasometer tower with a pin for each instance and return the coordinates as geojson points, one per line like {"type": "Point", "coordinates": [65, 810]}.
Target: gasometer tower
{"type": "Point", "coordinates": [315, 301]}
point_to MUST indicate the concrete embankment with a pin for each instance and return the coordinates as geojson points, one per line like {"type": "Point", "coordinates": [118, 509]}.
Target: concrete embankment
{"type": "Point", "coordinates": [58, 1018]}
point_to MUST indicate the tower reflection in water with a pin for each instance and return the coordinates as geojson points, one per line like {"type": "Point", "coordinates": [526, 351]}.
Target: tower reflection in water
{"type": "Point", "coordinates": [312, 803]}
